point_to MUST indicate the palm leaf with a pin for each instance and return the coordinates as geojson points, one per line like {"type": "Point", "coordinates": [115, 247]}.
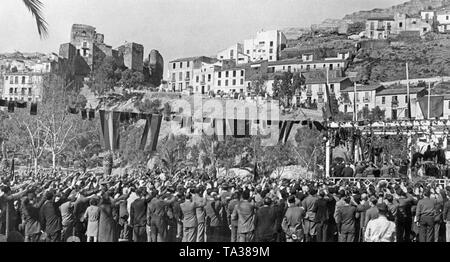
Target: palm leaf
{"type": "Point", "coordinates": [35, 8]}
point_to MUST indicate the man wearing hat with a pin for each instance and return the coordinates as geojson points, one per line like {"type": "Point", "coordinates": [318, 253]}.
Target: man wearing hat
{"type": "Point", "coordinates": [265, 222]}
{"type": "Point", "coordinates": [380, 229]}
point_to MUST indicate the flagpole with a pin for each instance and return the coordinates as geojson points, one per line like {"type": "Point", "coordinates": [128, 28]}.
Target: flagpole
{"type": "Point", "coordinates": [429, 100]}
{"type": "Point", "coordinates": [355, 114]}
{"type": "Point", "coordinates": [407, 91]}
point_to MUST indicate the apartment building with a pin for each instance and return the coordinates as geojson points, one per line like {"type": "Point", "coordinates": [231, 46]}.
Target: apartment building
{"type": "Point", "coordinates": [267, 45]}
{"type": "Point", "coordinates": [234, 53]}
{"type": "Point", "coordinates": [181, 71]}
{"type": "Point", "coordinates": [379, 28]}
{"type": "Point", "coordinates": [316, 92]}
{"type": "Point", "coordinates": [24, 86]}
{"type": "Point", "coordinates": [204, 76]}
{"type": "Point", "coordinates": [365, 97]}
{"type": "Point", "coordinates": [385, 27]}
{"type": "Point", "coordinates": [231, 79]}
{"type": "Point", "coordinates": [394, 101]}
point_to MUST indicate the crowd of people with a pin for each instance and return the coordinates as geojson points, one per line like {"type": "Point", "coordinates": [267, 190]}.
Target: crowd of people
{"type": "Point", "coordinates": [144, 206]}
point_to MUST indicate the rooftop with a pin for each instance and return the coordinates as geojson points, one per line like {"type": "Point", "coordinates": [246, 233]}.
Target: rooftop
{"type": "Point", "coordinates": [190, 59]}
{"type": "Point", "coordinates": [400, 91]}
{"type": "Point", "coordinates": [382, 18]}
{"type": "Point", "coordinates": [320, 80]}
{"type": "Point", "coordinates": [362, 88]}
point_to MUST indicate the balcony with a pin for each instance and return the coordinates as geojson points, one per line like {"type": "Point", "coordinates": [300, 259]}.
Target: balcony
{"type": "Point", "coordinates": [187, 78]}
{"type": "Point", "coordinates": [308, 93]}
{"type": "Point", "coordinates": [366, 99]}
{"type": "Point", "coordinates": [394, 103]}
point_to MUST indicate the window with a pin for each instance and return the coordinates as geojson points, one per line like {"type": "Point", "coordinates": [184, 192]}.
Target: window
{"type": "Point", "coordinates": [414, 22]}
{"type": "Point", "coordinates": [180, 86]}
{"type": "Point", "coordinates": [209, 77]}
{"type": "Point", "coordinates": [174, 65]}
{"type": "Point", "coordinates": [394, 99]}
{"type": "Point", "coordinates": [173, 77]}
{"type": "Point", "coordinates": [424, 29]}
{"type": "Point", "coordinates": [180, 76]}
{"type": "Point", "coordinates": [242, 72]}
{"type": "Point", "coordinates": [220, 74]}
{"type": "Point", "coordinates": [406, 99]}
{"type": "Point", "coordinates": [234, 82]}
{"type": "Point", "coordinates": [271, 43]}
{"type": "Point", "coordinates": [314, 66]}
{"type": "Point", "coordinates": [289, 68]}
{"type": "Point", "coordinates": [226, 74]}
{"type": "Point", "coordinates": [231, 53]}
{"type": "Point", "coordinates": [271, 51]}
{"type": "Point", "coordinates": [400, 24]}
{"type": "Point", "coordinates": [16, 80]}
{"type": "Point", "coordinates": [6, 77]}
{"type": "Point", "coordinates": [234, 73]}
{"type": "Point", "coordinates": [226, 82]}
{"type": "Point", "coordinates": [197, 79]}
{"type": "Point", "coordinates": [446, 18]}
{"type": "Point", "coordinates": [29, 99]}
{"type": "Point", "coordinates": [248, 52]}
{"type": "Point", "coordinates": [242, 81]}
{"type": "Point", "coordinates": [219, 83]}
{"type": "Point", "coordinates": [85, 44]}
{"type": "Point", "coordinates": [383, 100]}
{"type": "Point", "coordinates": [23, 91]}
{"type": "Point", "coordinates": [187, 75]}
{"type": "Point", "coordinates": [11, 90]}
{"type": "Point", "coordinates": [15, 90]}
{"type": "Point", "coordinates": [11, 80]}
{"type": "Point", "coordinates": [187, 64]}
{"type": "Point", "coordinates": [203, 78]}
{"type": "Point", "coordinates": [29, 91]}
{"type": "Point", "coordinates": [85, 52]}
{"type": "Point", "coordinates": [181, 64]}
{"type": "Point", "coordinates": [332, 88]}
{"type": "Point", "coordinates": [270, 57]}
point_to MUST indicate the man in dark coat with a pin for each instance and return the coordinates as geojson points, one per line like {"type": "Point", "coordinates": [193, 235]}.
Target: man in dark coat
{"type": "Point", "coordinates": [233, 222]}
{"type": "Point", "coordinates": [189, 219]}
{"type": "Point", "coordinates": [347, 171]}
{"type": "Point", "coordinates": [322, 217]}
{"type": "Point", "coordinates": [346, 219]}
{"type": "Point", "coordinates": [213, 219]}
{"type": "Point", "coordinates": [266, 222]}
{"type": "Point", "coordinates": [157, 211]}
{"type": "Point", "coordinates": [244, 212]}
{"type": "Point", "coordinates": [30, 213]}
{"type": "Point", "coordinates": [138, 217]}
{"type": "Point", "coordinates": [292, 223]}
{"type": "Point", "coordinates": [50, 216]}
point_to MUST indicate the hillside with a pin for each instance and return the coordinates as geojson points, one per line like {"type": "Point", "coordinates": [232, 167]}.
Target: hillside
{"type": "Point", "coordinates": [410, 7]}
{"type": "Point", "coordinates": [428, 57]}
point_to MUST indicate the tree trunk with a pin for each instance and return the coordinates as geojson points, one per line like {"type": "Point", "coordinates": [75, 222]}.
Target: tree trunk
{"type": "Point", "coordinates": [54, 160]}
{"type": "Point", "coordinates": [35, 165]}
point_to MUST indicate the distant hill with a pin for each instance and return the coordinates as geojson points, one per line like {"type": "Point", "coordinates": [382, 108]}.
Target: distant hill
{"type": "Point", "coordinates": [410, 7]}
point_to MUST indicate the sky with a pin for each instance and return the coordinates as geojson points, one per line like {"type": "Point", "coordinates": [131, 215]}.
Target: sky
{"type": "Point", "coordinates": [176, 28]}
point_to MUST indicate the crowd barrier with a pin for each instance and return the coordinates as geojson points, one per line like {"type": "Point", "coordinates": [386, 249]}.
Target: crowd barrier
{"type": "Point", "coordinates": [369, 180]}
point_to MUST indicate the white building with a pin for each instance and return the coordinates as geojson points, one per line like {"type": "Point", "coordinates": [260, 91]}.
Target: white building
{"type": "Point", "coordinates": [22, 86]}
{"type": "Point", "coordinates": [203, 77]}
{"type": "Point", "coordinates": [180, 72]}
{"type": "Point", "coordinates": [316, 92]}
{"type": "Point", "coordinates": [229, 80]}
{"type": "Point", "coordinates": [379, 28]}
{"type": "Point", "coordinates": [394, 101]}
{"type": "Point", "coordinates": [267, 45]}
{"type": "Point", "coordinates": [235, 53]}
{"type": "Point", "coordinates": [365, 97]}
{"type": "Point", "coordinates": [443, 20]}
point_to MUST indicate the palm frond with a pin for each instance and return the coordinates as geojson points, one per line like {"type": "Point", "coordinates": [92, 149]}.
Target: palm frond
{"type": "Point", "coordinates": [35, 8]}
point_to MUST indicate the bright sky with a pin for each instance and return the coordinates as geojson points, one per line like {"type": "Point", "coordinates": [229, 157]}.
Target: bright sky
{"type": "Point", "coordinates": [177, 28]}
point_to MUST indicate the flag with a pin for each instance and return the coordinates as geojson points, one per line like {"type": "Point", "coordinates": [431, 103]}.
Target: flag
{"type": "Point", "coordinates": [91, 114]}
{"type": "Point", "coordinates": [285, 130]}
{"type": "Point", "coordinates": [33, 109]}
{"type": "Point", "coordinates": [220, 129]}
{"type": "Point", "coordinates": [110, 129]}
{"type": "Point", "coordinates": [151, 131]}
{"type": "Point", "coordinates": [21, 104]}
{"type": "Point", "coordinates": [83, 114]}
{"type": "Point", "coordinates": [436, 106]}
{"type": "Point", "coordinates": [11, 105]}
{"type": "Point", "coordinates": [72, 110]}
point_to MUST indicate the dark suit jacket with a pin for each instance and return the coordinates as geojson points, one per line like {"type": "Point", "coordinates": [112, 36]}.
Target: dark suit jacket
{"type": "Point", "coordinates": [50, 217]}
{"type": "Point", "coordinates": [189, 214]}
{"type": "Point", "coordinates": [138, 213]}
{"type": "Point", "coordinates": [265, 222]}
{"type": "Point", "coordinates": [322, 214]}
{"type": "Point", "coordinates": [212, 209]}
{"type": "Point", "coordinates": [346, 218]}
{"type": "Point", "coordinates": [245, 214]}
